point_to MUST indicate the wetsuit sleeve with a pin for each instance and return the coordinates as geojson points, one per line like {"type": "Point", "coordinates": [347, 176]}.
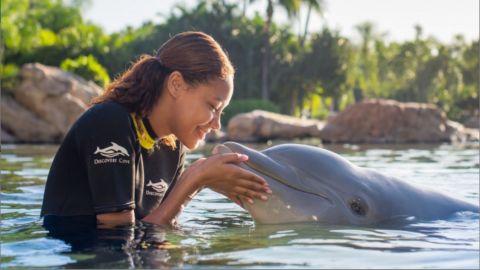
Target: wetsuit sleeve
{"type": "Point", "coordinates": [180, 167]}
{"type": "Point", "coordinates": [108, 151]}
{"type": "Point", "coordinates": [181, 162]}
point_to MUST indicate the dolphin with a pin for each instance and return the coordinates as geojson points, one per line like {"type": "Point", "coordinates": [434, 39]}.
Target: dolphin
{"type": "Point", "coordinates": [310, 184]}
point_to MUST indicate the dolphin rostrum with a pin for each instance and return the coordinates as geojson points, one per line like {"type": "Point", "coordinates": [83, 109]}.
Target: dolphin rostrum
{"type": "Point", "coordinates": [311, 184]}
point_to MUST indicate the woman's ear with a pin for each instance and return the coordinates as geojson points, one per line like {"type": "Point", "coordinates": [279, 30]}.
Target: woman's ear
{"type": "Point", "coordinates": [176, 85]}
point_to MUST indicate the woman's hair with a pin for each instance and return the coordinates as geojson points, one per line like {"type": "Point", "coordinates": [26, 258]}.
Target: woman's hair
{"type": "Point", "coordinates": [196, 55]}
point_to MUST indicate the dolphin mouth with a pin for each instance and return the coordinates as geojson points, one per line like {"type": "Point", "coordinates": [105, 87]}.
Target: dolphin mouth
{"type": "Point", "coordinates": [263, 164]}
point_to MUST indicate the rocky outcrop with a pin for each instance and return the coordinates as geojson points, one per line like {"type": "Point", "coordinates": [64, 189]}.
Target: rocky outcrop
{"type": "Point", "coordinates": [216, 135]}
{"type": "Point", "coordinates": [389, 121]}
{"type": "Point", "coordinates": [261, 125]}
{"type": "Point", "coordinates": [6, 137]}
{"type": "Point", "coordinates": [45, 104]}
{"type": "Point", "coordinates": [461, 133]}
{"type": "Point", "coordinates": [24, 125]}
{"type": "Point", "coordinates": [473, 122]}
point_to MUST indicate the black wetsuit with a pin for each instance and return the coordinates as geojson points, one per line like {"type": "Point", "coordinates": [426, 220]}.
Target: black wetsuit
{"type": "Point", "coordinates": [101, 167]}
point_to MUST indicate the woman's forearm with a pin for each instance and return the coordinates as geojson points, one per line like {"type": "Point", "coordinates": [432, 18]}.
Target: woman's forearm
{"type": "Point", "coordinates": [173, 205]}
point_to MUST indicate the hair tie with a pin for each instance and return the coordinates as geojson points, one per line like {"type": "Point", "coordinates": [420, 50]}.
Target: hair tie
{"type": "Point", "coordinates": [162, 66]}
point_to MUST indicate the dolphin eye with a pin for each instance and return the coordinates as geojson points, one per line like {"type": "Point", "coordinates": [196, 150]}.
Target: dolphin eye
{"type": "Point", "coordinates": [358, 207]}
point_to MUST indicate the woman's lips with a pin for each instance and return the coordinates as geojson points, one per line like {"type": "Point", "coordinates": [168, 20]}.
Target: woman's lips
{"type": "Point", "coordinates": [201, 133]}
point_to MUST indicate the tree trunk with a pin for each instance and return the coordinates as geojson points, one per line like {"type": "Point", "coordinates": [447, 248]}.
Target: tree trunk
{"type": "Point", "coordinates": [265, 67]}
{"type": "Point", "coordinates": [266, 52]}
{"type": "Point", "coordinates": [245, 2]}
{"type": "Point", "coordinates": [335, 101]}
{"type": "Point", "coordinates": [307, 22]}
{"type": "Point", "coordinates": [293, 102]}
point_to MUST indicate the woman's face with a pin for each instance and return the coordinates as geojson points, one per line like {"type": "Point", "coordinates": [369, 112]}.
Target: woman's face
{"type": "Point", "coordinates": [198, 110]}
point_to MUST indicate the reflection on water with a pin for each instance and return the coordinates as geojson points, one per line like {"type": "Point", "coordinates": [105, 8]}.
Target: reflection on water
{"type": "Point", "coordinates": [217, 233]}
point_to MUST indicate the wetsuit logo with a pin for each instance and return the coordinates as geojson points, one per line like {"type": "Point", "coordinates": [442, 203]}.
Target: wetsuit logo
{"type": "Point", "coordinates": [158, 188]}
{"type": "Point", "coordinates": [112, 151]}
{"type": "Point", "coordinates": [111, 154]}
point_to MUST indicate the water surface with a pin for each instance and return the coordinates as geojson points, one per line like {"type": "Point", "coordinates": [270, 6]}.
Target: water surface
{"type": "Point", "coordinates": [217, 233]}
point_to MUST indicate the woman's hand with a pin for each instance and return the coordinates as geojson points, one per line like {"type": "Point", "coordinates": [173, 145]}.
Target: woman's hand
{"type": "Point", "coordinates": [221, 174]}
{"type": "Point", "coordinates": [218, 172]}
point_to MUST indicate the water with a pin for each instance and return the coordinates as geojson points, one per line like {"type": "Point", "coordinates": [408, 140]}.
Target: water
{"type": "Point", "coordinates": [216, 233]}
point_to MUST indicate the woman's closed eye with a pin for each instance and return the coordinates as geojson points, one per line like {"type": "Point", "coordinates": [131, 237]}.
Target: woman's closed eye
{"type": "Point", "coordinates": [216, 109]}
{"type": "Point", "coordinates": [213, 108]}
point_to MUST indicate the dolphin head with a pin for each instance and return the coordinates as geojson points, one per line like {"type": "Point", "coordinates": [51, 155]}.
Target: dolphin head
{"type": "Point", "coordinates": [309, 184]}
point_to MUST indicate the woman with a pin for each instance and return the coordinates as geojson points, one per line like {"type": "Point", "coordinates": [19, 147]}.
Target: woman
{"type": "Point", "coordinates": [123, 159]}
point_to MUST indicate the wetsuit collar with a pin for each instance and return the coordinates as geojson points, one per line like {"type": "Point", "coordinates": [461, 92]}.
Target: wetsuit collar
{"type": "Point", "coordinates": [144, 131]}
{"type": "Point", "coordinates": [149, 128]}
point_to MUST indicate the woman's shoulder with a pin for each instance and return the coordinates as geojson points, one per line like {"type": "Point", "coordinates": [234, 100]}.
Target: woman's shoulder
{"type": "Point", "coordinates": [106, 114]}
{"type": "Point", "coordinates": [108, 108]}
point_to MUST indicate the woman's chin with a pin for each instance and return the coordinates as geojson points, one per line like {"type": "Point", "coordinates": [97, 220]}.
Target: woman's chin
{"type": "Point", "coordinates": [192, 144]}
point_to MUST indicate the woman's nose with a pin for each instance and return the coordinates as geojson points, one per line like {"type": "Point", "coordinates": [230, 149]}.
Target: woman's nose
{"type": "Point", "coordinates": [216, 124]}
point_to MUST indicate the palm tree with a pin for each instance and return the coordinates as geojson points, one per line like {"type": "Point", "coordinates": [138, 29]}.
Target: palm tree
{"type": "Point", "coordinates": [292, 7]}
{"type": "Point", "coordinates": [319, 7]}
{"type": "Point", "coordinates": [244, 8]}
{"type": "Point", "coordinates": [368, 59]}
{"type": "Point", "coordinates": [83, 5]}
{"type": "Point", "coordinates": [366, 31]}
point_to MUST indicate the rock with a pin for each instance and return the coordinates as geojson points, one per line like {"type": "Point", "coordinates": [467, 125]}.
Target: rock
{"type": "Point", "coordinates": [50, 100]}
{"type": "Point", "coordinates": [261, 125]}
{"type": "Point", "coordinates": [24, 125]}
{"type": "Point", "coordinates": [216, 136]}
{"type": "Point", "coordinates": [473, 122]}
{"type": "Point", "coordinates": [389, 121]}
{"type": "Point", "coordinates": [472, 134]}
{"type": "Point", "coordinates": [460, 133]}
{"type": "Point", "coordinates": [53, 81]}
{"type": "Point", "coordinates": [6, 137]}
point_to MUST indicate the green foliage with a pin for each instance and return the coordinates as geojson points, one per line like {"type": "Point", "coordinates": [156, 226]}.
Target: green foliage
{"type": "Point", "coordinates": [88, 68]}
{"type": "Point", "coordinates": [47, 31]}
{"type": "Point", "coordinates": [27, 25]}
{"type": "Point", "coordinates": [316, 107]}
{"type": "Point", "coordinates": [329, 53]}
{"type": "Point", "coordinates": [247, 105]}
{"type": "Point", "coordinates": [306, 74]}
{"type": "Point", "coordinates": [8, 75]}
